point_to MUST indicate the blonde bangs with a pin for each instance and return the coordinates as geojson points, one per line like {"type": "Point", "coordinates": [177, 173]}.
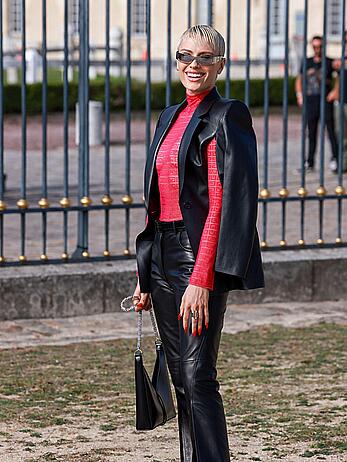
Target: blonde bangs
{"type": "Point", "coordinates": [205, 34]}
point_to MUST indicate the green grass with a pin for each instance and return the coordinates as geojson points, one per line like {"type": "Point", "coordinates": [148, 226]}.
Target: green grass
{"type": "Point", "coordinates": [286, 384]}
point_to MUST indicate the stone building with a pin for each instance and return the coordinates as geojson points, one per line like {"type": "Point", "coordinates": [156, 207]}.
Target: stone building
{"type": "Point", "coordinates": [118, 19]}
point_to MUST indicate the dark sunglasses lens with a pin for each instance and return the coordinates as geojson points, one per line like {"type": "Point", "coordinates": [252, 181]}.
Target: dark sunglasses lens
{"type": "Point", "coordinates": [206, 60]}
{"type": "Point", "coordinates": [202, 60]}
{"type": "Point", "coordinates": [185, 58]}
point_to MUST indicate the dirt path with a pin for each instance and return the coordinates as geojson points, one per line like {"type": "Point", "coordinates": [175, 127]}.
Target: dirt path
{"type": "Point", "coordinates": [108, 326]}
{"type": "Point", "coordinates": [128, 445]}
{"type": "Point", "coordinates": [283, 390]}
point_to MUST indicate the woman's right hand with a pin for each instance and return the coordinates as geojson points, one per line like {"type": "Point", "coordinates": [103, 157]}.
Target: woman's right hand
{"type": "Point", "coordinates": [142, 300]}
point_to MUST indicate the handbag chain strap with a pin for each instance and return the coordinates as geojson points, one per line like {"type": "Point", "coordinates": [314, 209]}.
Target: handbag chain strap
{"type": "Point", "coordinates": [140, 322]}
{"type": "Point", "coordinates": [139, 328]}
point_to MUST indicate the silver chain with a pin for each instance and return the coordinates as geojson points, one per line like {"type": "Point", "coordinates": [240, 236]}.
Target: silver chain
{"type": "Point", "coordinates": [139, 330]}
{"type": "Point", "coordinates": [140, 322]}
{"type": "Point", "coordinates": [154, 325]}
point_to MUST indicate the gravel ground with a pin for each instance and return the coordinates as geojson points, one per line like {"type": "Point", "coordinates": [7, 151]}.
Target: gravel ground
{"type": "Point", "coordinates": [108, 326]}
{"type": "Point", "coordinates": [128, 445]}
{"type": "Point", "coordinates": [68, 395]}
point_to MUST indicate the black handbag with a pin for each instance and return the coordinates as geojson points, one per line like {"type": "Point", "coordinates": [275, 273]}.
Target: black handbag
{"type": "Point", "coordinates": [154, 403]}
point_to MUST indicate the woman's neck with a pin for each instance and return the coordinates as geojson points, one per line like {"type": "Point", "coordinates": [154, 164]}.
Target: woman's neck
{"type": "Point", "coordinates": [196, 97]}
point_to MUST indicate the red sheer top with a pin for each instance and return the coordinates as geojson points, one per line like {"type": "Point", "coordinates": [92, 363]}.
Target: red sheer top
{"type": "Point", "coordinates": [167, 169]}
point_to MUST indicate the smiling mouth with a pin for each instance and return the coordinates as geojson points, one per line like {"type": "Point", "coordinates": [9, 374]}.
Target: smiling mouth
{"type": "Point", "coordinates": [194, 75]}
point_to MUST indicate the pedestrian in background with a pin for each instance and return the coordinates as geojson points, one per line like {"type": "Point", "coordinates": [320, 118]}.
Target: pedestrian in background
{"type": "Point", "coordinates": [200, 240]}
{"type": "Point", "coordinates": [313, 95]}
{"type": "Point", "coordinates": [341, 68]}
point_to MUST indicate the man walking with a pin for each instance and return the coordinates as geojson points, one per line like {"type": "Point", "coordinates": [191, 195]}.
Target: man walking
{"type": "Point", "coordinates": [341, 68]}
{"type": "Point", "coordinates": [313, 92]}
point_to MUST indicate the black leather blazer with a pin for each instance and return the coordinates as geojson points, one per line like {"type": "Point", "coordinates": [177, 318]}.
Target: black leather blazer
{"type": "Point", "coordinates": [238, 262]}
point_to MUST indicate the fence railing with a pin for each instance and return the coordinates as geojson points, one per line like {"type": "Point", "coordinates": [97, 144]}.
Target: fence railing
{"type": "Point", "coordinates": [89, 215]}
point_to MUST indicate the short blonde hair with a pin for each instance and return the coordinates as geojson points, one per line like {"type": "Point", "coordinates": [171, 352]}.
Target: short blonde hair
{"type": "Point", "coordinates": [207, 34]}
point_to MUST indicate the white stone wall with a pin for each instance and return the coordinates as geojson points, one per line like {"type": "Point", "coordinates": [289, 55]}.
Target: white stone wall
{"type": "Point", "coordinates": [159, 26]}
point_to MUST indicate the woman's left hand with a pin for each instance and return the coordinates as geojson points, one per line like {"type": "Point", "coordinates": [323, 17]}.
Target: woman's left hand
{"type": "Point", "coordinates": [194, 299]}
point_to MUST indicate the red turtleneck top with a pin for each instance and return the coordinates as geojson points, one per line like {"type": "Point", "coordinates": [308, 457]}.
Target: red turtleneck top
{"type": "Point", "coordinates": [167, 169]}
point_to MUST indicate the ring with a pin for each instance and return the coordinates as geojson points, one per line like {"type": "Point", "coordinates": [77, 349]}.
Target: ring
{"type": "Point", "coordinates": [195, 314]}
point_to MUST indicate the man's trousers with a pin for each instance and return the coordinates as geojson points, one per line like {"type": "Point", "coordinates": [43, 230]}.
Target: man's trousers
{"type": "Point", "coordinates": [313, 117]}
{"type": "Point", "coordinates": [337, 109]}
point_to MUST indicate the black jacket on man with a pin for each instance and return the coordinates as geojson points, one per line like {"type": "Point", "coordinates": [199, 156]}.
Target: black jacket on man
{"type": "Point", "coordinates": [238, 262]}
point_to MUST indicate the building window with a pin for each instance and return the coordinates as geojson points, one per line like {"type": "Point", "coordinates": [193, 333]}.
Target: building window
{"type": "Point", "coordinates": [334, 18]}
{"type": "Point", "coordinates": [202, 11]}
{"type": "Point", "coordinates": [277, 29]}
{"type": "Point", "coordinates": [277, 19]}
{"type": "Point", "coordinates": [15, 16]}
{"type": "Point", "coordinates": [74, 16]}
{"type": "Point", "coordinates": [138, 17]}
{"type": "Point", "coordinates": [299, 24]}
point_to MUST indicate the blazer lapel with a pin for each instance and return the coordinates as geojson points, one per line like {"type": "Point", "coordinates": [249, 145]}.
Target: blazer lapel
{"type": "Point", "coordinates": [200, 111]}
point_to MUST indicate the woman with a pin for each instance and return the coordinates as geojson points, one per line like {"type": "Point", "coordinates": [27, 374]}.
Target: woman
{"type": "Point", "coordinates": [200, 239]}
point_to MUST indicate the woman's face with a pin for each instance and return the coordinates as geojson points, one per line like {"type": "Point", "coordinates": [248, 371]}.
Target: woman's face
{"type": "Point", "coordinates": [195, 77]}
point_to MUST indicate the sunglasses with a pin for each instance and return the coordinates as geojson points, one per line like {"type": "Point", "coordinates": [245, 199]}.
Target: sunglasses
{"type": "Point", "coordinates": [202, 60]}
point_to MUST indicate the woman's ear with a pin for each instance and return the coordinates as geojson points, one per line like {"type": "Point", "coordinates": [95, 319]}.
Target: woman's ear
{"type": "Point", "coordinates": [222, 67]}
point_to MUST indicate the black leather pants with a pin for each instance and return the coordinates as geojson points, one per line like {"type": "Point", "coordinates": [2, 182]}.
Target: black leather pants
{"type": "Point", "coordinates": [191, 360]}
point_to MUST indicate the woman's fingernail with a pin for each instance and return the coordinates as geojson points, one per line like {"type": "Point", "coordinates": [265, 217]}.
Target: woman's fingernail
{"type": "Point", "coordinates": [199, 330]}
{"type": "Point", "coordinates": [185, 329]}
{"type": "Point", "coordinates": [194, 333]}
{"type": "Point", "coordinates": [140, 305]}
{"type": "Point", "coordinates": [206, 325]}
{"type": "Point", "coordinates": [179, 316]}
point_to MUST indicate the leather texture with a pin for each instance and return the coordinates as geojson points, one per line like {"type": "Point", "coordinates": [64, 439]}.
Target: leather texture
{"type": "Point", "coordinates": [191, 360]}
{"type": "Point", "coordinates": [161, 383]}
{"type": "Point", "coordinates": [238, 262]}
{"type": "Point", "coordinates": [154, 403]}
{"type": "Point", "coordinates": [149, 410]}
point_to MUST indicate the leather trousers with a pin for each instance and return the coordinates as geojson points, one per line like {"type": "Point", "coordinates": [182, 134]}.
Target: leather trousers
{"type": "Point", "coordinates": [191, 360]}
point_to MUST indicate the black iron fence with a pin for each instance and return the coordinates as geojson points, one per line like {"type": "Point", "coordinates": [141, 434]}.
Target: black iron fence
{"type": "Point", "coordinates": [293, 209]}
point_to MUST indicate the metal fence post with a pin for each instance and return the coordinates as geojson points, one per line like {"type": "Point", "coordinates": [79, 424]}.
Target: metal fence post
{"type": "Point", "coordinates": [168, 55]}
{"type": "Point", "coordinates": [83, 149]}
{"type": "Point", "coordinates": [23, 203]}
{"type": "Point", "coordinates": [265, 192]}
{"type": "Point", "coordinates": [209, 12]}
{"type": "Point", "coordinates": [65, 201]}
{"type": "Point", "coordinates": [2, 174]}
